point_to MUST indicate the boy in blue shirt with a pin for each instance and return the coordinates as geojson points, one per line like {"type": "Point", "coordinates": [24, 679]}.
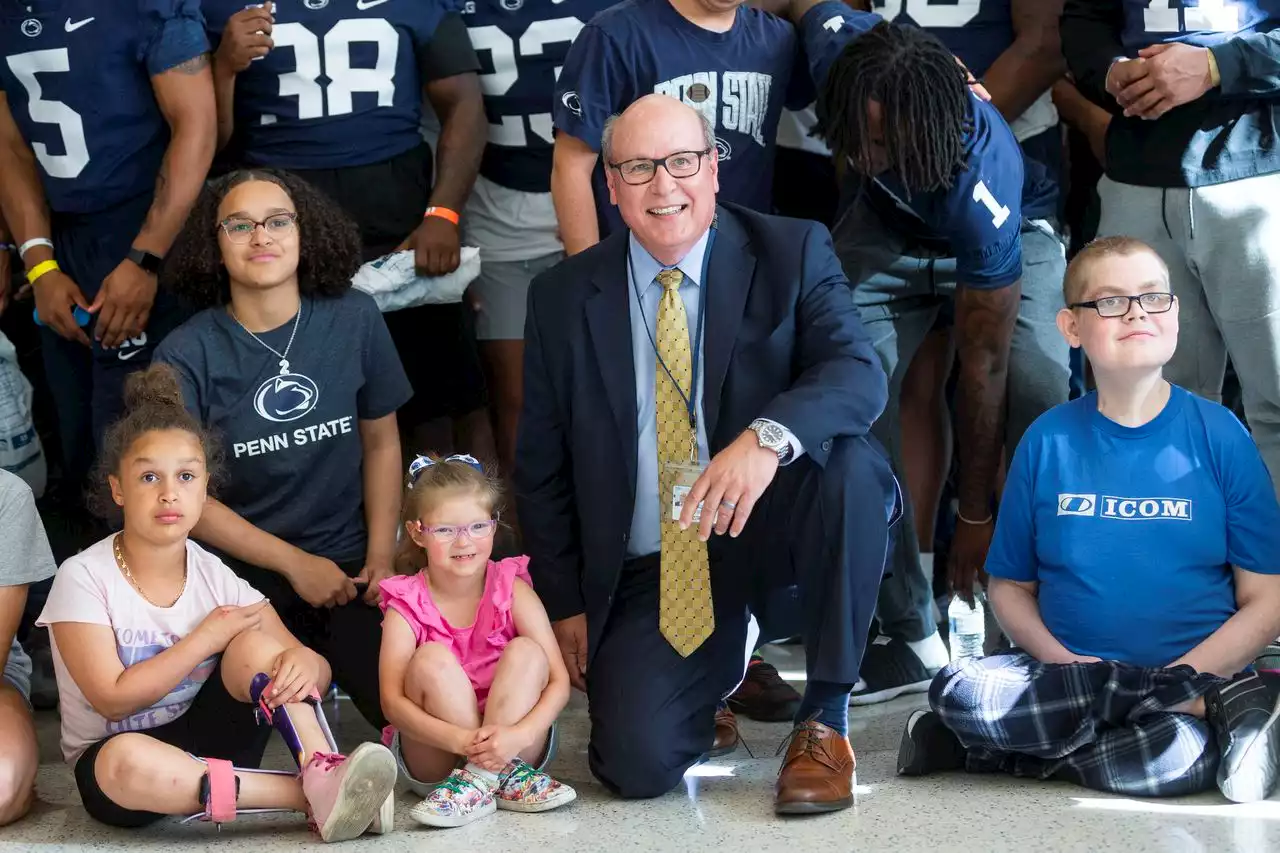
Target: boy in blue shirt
{"type": "Point", "coordinates": [1135, 567]}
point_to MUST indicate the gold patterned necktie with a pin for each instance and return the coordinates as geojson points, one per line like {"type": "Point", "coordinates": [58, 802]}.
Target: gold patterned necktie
{"type": "Point", "coordinates": [685, 614]}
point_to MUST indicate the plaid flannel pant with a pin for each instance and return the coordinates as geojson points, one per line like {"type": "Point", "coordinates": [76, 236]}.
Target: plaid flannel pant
{"type": "Point", "coordinates": [1106, 726]}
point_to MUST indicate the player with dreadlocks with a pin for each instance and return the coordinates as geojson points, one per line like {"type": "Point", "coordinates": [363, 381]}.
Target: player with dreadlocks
{"type": "Point", "coordinates": [876, 98]}
{"type": "Point", "coordinates": [933, 221]}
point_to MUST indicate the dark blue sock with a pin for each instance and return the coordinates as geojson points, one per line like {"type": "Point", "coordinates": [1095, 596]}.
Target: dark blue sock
{"type": "Point", "coordinates": [828, 703]}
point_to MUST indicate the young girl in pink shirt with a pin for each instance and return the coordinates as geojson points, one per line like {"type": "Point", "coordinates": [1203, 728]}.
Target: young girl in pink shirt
{"type": "Point", "coordinates": [472, 677]}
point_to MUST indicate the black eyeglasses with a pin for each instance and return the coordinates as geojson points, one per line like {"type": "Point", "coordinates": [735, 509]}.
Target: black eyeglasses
{"type": "Point", "coordinates": [681, 164]}
{"type": "Point", "coordinates": [241, 230]}
{"type": "Point", "coordinates": [1118, 306]}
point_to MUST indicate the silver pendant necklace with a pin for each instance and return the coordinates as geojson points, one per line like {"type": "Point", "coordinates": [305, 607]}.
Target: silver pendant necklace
{"type": "Point", "coordinates": [283, 356]}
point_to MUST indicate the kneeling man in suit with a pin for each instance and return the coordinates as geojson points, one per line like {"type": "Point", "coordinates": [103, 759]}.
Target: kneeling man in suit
{"type": "Point", "coordinates": [709, 357]}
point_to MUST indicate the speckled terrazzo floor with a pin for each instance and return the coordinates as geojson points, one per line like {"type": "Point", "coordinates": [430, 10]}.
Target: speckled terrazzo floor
{"type": "Point", "coordinates": [726, 807]}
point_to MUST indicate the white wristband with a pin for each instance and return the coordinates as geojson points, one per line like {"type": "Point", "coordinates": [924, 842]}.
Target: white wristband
{"type": "Point", "coordinates": [32, 243]}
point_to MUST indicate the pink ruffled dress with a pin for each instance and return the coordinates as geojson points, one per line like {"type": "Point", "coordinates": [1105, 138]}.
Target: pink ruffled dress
{"type": "Point", "coordinates": [476, 647]}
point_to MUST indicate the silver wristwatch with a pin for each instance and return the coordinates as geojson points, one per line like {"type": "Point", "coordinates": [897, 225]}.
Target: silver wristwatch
{"type": "Point", "coordinates": [772, 436]}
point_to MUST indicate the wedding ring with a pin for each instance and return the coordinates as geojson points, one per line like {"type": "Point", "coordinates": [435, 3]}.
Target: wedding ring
{"type": "Point", "coordinates": [728, 505]}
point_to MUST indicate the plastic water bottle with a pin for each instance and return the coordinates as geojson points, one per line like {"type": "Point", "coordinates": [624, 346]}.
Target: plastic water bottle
{"type": "Point", "coordinates": [968, 627]}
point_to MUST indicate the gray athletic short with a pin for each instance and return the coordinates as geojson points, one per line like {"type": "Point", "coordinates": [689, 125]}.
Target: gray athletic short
{"type": "Point", "coordinates": [17, 670]}
{"type": "Point", "coordinates": [503, 290]}
{"type": "Point", "coordinates": [423, 789]}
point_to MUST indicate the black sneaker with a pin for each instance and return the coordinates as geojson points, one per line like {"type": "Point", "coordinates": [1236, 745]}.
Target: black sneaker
{"type": "Point", "coordinates": [1243, 715]}
{"type": "Point", "coordinates": [928, 746]}
{"type": "Point", "coordinates": [764, 696]}
{"type": "Point", "coordinates": [889, 670]}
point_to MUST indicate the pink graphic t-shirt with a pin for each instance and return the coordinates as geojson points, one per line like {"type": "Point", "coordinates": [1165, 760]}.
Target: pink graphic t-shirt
{"type": "Point", "coordinates": [477, 646]}
{"type": "Point", "coordinates": [90, 588]}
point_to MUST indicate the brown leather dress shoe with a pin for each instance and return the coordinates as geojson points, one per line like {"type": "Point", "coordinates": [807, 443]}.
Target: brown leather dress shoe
{"type": "Point", "coordinates": [817, 774]}
{"type": "Point", "coordinates": [726, 740]}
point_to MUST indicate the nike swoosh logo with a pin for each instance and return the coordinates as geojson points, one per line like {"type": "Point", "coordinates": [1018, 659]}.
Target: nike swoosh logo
{"type": "Point", "coordinates": [125, 356]}
{"type": "Point", "coordinates": [369, 4]}
{"type": "Point", "coordinates": [72, 27]}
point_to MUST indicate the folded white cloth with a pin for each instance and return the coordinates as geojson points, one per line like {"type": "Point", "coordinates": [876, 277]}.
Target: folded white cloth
{"type": "Point", "coordinates": [394, 284]}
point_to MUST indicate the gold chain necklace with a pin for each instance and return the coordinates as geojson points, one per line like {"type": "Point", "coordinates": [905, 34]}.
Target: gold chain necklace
{"type": "Point", "coordinates": [124, 567]}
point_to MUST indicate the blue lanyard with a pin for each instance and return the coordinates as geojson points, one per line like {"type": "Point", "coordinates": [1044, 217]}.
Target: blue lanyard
{"type": "Point", "coordinates": [691, 399]}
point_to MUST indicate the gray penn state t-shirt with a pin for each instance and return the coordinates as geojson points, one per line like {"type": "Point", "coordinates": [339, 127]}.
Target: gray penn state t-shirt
{"type": "Point", "coordinates": [292, 440]}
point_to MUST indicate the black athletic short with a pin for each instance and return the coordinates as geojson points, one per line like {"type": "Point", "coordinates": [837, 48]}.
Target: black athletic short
{"type": "Point", "coordinates": [436, 343]}
{"type": "Point", "coordinates": [215, 726]}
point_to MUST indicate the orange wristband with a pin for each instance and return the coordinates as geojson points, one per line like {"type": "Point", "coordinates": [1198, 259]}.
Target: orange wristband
{"type": "Point", "coordinates": [443, 213]}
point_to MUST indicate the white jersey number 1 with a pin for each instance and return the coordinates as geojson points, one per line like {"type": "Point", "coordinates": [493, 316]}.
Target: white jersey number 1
{"type": "Point", "coordinates": [982, 195]}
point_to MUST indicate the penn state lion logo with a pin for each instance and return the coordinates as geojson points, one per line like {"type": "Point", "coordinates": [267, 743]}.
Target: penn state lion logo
{"type": "Point", "coordinates": [32, 28]}
{"type": "Point", "coordinates": [286, 398]}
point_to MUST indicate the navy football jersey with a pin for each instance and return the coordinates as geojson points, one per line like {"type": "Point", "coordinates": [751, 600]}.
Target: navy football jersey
{"type": "Point", "coordinates": [978, 31]}
{"type": "Point", "coordinates": [341, 87]}
{"type": "Point", "coordinates": [739, 80]}
{"type": "Point", "coordinates": [77, 76]}
{"type": "Point", "coordinates": [1147, 22]}
{"type": "Point", "coordinates": [521, 45]}
{"type": "Point", "coordinates": [978, 221]}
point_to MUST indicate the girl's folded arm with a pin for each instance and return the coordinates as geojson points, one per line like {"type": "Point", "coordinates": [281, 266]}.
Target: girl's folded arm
{"type": "Point", "coordinates": [115, 691]}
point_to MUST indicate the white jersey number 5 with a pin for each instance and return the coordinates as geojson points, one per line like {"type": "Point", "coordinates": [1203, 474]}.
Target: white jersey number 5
{"type": "Point", "coordinates": [25, 66]}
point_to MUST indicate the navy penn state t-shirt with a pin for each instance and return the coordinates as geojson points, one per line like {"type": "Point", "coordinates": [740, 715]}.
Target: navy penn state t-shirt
{"type": "Point", "coordinates": [292, 440]}
{"type": "Point", "coordinates": [740, 80]}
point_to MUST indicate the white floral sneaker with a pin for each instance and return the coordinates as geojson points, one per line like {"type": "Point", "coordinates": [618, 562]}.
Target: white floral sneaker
{"type": "Point", "coordinates": [524, 788]}
{"type": "Point", "coordinates": [461, 798]}
{"type": "Point", "coordinates": [346, 793]}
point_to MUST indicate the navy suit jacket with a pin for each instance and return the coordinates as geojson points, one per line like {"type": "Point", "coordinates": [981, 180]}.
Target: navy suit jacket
{"type": "Point", "coordinates": [783, 341]}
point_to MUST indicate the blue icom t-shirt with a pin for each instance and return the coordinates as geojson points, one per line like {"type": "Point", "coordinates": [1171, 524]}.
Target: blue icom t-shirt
{"type": "Point", "coordinates": [521, 47]}
{"type": "Point", "coordinates": [978, 220]}
{"type": "Point", "coordinates": [979, 31]}
{"type": "Point", "coordinates": [341, 87]}
{"type": "Point", "coordinates": [77, 75]}
{"type": "Point", "coordinates": [292, 441]}
{"type": "Point", "coordinates": [740, 80]}
{"type": "Point", "coordinates": [1131, 533]}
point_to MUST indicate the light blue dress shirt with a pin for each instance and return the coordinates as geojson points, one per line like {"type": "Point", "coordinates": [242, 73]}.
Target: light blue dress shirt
{"type": "Point", "coordinates": [643, 269]}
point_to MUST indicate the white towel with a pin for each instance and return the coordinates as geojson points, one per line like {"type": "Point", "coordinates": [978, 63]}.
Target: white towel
{"type": "Point", "coordinates": [394, 284]}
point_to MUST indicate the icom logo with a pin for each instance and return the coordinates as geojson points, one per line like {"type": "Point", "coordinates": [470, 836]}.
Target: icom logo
{"type": "Point", "coordinates": [1142, 509]}
{"type": "Point", "coordinates": [1125, 509]}
{"type": "Point", "coordinates": [1077, 504]}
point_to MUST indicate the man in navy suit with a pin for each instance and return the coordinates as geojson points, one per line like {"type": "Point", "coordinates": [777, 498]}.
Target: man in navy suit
{"type": "Point", "coordinates": [707, 357]}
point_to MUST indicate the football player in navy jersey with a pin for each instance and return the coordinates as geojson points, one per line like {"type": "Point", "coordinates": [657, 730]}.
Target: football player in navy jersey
{"type": "Point", "coordinates": [731, 62]}
{"type": "Point", "coordinates": [936, 220]}
{"type": "Point", "coordinates": [106, 135]}
{"type": "Point", "coordinates": [1193, 170]}
{"type": "Point", "coordinates": [333, 92]}
{"type": "Point", "coordinates": [1013, 46]}
{"type": "Point", "coordinates": [510, 215]}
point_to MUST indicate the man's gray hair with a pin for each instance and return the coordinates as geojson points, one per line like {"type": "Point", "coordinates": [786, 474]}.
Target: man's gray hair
{"type": "Point", "coordinates": [606, 138]}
